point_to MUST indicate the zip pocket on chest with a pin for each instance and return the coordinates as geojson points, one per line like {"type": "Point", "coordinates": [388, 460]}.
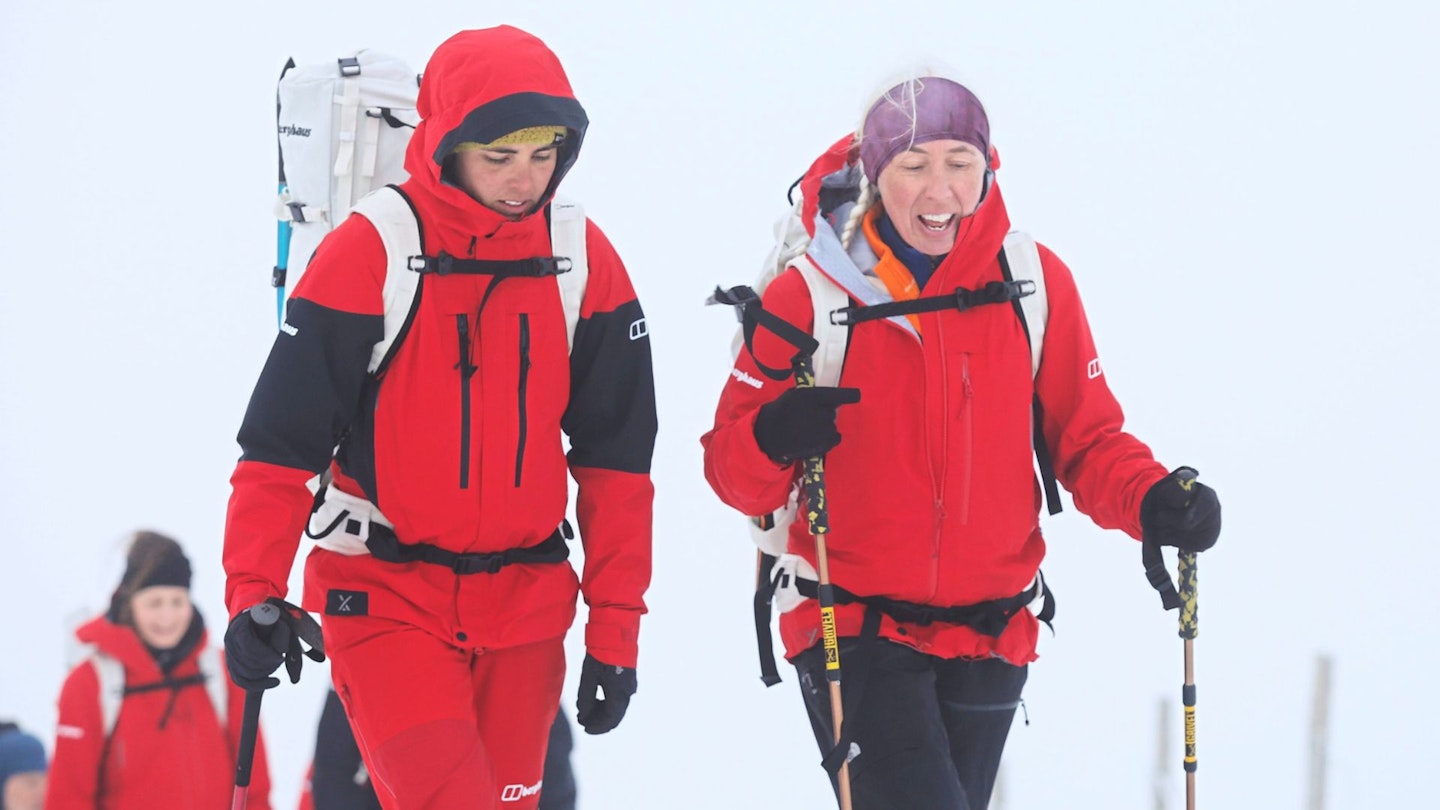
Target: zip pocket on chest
{"type": "Point", "coordinates": [523, 425]}
{"type": "Point", "coordinates": [467, 369]}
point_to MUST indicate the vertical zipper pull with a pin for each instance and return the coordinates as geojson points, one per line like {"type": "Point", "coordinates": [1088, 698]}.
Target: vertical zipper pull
{"type": "Point", "coordinates": [462, 331]}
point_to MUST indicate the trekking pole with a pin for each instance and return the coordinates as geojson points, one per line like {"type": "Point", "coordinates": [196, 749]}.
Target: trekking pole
{"type": "Point", "coordinates": [264, 615]}
{"type": "Point", "coordinates": [1189, 628]}
{"type": "Point", "coordinates": [817, 515]}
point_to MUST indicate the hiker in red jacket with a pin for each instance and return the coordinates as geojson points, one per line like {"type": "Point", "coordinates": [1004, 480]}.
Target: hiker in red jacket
{"type": "Point", "coordinates": [148, 719]}
{"type": "Point", "coordinates": [933, 504]}
{"type": "Point", "coordinates": [442, 578]}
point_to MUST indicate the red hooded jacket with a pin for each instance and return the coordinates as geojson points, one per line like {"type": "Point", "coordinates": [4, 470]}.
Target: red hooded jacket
{"type": "Point", "coordinates": [168, 750]}
{"type": "Point", "coordinates": [931, 492]}
{"type": "Point", "coordinates": [469, 463]}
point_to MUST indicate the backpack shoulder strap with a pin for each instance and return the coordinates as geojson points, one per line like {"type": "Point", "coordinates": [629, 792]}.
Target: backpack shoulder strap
{"type": "Point", "coordinates": [567, 238]}
{"type": "Point", "coordinates": [1020, 261]}
{"type": "Point", "coordinates": [390, 212]}
{"type": "Point", "coordinates": [1023, 261]}
{"type": "Point", "coordinates": [111, 675]}
{"type": "Point", "coordinates": [217, 683]}
{"type": "Point", "coordinates": [825, 297]}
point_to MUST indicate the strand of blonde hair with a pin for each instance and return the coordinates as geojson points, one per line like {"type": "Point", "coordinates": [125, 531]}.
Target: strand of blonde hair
{"type": "Point", "coordinates": [857, 214]}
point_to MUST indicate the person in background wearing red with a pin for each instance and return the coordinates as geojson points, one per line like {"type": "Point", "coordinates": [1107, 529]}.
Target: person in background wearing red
{"type": "Point", "coordinates": [176, 726]}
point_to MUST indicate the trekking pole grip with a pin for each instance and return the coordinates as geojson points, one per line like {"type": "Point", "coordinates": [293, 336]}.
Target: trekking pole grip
{"type": "Point", "coordinates": [264, 616]}
{"type": "Point", "coordinates": [817, 518]}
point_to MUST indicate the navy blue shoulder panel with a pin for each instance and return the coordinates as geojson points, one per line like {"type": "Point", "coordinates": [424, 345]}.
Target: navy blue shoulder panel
{"type": "Point", "coordinates": [310, 389]}
{"type": "Point", "coordinates": [611, 416]}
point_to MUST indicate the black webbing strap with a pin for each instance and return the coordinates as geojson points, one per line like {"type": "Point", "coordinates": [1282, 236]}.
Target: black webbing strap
{"type": "Point", "coordinates": [387, 547]}
{"type": "Point", "coordinates": [753, 316]}
{"type": "Point", "coordinates": [1158, 576]}
{"type": "Point", "coordinates": [962, 299]}
{"type": "Point", "coordinates": [1043, 458]}
{"type": "Point", "coordinates": [852, 688]}
{"type": "Point", "coordinates": [764, 595]}
{"type": "Point", "coordinates": [446, 265]}
{"type": "Point", "coordinates": [177, 684]}
{"type": "Point", "coordinates": [384, 114]}
{"type": "Point", "coordinates": [987, 618]}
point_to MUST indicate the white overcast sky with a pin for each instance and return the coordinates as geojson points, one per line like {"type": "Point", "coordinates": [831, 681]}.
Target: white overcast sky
{"type": "Point", "coordinates": [1245, 192]}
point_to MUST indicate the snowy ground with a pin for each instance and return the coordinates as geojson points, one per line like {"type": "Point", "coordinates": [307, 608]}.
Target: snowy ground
{"type": "Point", "coordinates": [1243, 190]}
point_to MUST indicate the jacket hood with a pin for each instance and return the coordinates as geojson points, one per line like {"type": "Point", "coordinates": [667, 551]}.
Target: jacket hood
{"type": "Point", "coordinates": [478, 86]}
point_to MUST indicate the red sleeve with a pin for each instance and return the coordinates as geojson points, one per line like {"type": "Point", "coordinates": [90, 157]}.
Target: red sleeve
{"type": "Point", "coordinates": [737, 469]}
{"type": "Point", "coordinates": [1105, 469]}
{"type": "Point", "coordinates": [319, 360]}
{"type": "Point", "coordinates": [611, 423]}
{"type": "Point", "coordinates": [79, 741]}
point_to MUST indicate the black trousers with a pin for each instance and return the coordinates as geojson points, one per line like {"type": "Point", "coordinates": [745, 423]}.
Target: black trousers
{"type": "Point", "coordinates": [930, 730]}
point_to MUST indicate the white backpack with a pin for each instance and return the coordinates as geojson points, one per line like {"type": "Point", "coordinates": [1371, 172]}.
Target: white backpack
{"type": "Point", "coordinates": [343, 127]}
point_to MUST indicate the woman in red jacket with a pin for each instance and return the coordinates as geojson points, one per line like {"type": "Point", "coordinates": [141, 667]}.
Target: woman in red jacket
{"type": "Point", "coordinates": [443, 580]}
{"type": "Point", "coordinates": [148, 721]}
{"type": "Point", "coordinates": [932, 497]}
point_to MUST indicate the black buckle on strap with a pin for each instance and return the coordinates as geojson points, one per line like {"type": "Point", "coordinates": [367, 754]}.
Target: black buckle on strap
{"type": "Point", "coordinates": [349, 66]}
{"type": "Point", "coordinates": [477, 563]}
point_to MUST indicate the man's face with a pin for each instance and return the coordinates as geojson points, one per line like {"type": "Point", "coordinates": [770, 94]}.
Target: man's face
{"type": "Point", "coordinates": [507, 179]}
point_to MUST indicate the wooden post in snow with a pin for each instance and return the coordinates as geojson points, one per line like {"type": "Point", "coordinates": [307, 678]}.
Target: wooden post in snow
{"type": "Point", "coordinates": [1161, 782]}
{"type": "Point", "coordinates": [1319, 734]}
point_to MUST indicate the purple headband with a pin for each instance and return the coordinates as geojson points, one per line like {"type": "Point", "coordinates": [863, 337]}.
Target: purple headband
{"type": "Point", "coordinates": [920, 110]}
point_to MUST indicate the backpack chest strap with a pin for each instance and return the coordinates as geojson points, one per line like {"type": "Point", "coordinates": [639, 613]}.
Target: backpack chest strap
{"type": "Point", "coordinates": [536, 267]}
{"type": "Point", "coordinates": [962, 299]}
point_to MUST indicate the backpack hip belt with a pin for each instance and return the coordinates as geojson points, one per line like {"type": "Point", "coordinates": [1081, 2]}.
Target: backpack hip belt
{"type": "Point", "coordinates": [794, 580]}
{"type": "Point", "coordinates": [988, 618]}
{"type": "Point", "coordinates": [354, 526]}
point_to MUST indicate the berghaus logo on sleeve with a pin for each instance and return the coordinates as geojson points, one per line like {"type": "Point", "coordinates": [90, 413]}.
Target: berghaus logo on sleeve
{"type": "Point", "coordinates": [291, 129]}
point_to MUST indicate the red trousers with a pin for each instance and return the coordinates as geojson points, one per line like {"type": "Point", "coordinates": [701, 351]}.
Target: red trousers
{"type": "Point", "coordinates": [443, 727]}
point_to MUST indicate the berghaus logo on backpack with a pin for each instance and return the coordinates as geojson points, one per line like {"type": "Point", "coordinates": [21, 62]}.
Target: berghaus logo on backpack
{"type": "Point", "coordinates": [291, 129]}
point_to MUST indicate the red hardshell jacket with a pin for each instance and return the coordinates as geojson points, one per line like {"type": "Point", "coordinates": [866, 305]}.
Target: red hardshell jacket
{"type": "Point", "coordinates": [932, 493]}
{"type": "Point", "coordinates": [188, 763]}
{"type": "Point", "coordinates": [470, 464]}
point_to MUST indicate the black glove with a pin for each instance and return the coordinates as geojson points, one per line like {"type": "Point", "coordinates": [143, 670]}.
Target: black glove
{"type": "Point", "coordinates": [601, 715]}
{"type": "Point", "coordinates": [253, 651]}
{"type": "Point", "coordinates": [800, 423]}
{"type": "Point", "coordinates": [1181, 512]}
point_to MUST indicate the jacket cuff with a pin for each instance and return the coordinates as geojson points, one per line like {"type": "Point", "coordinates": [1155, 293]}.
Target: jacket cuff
{"type": "Point", "coordinates": [612, 636]}
{"type": "Point", "coordinates": [247, 596]}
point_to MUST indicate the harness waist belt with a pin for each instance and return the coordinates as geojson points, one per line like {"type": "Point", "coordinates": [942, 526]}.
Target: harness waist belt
{"type": "Point", "coordinates": [384, 545]}
{"type": "Point", "coordinates": [989, 618]}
